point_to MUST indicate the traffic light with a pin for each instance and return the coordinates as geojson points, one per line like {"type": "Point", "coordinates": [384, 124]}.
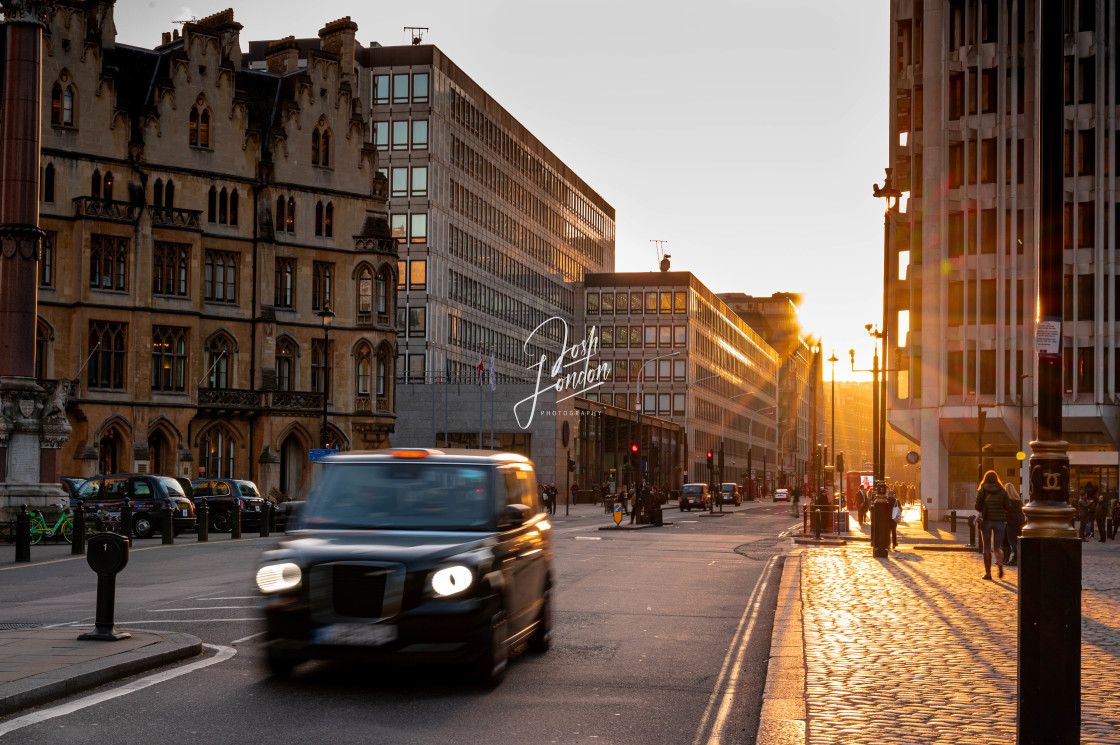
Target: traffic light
{"type": "Point", "coordinates": [571, 463]}
{"type": "Point", "coordinates": [709, 459]}
{"type": "Point", "coordinates": [635, 459]}
{"type": "Point", "coordinates": [840, 463]}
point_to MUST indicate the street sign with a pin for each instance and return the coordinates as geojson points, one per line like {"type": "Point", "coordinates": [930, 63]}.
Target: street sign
{"type": "Point", "coordinates": [617, 513]}
{"type": "Point", "coordinates": [317, 454]}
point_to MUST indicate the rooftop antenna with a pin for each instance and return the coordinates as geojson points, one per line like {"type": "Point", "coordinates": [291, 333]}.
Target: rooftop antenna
{"type": "Point", "coordinates": [417, 33]}
{"type": "Point", "coordinates": [661, 255]}
{"type": "Point", "coordinates": [188, 20]}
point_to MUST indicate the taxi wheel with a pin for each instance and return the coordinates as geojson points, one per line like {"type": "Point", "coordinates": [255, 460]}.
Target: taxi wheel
{"type": "Point", "coordinates": [220, 522]}
{"type": "Point", "coordinates": [490, 670]}
{"type": "Point", "coordinates": [142, 526]}
{"type": "Point", "coordinates": [542, 634]}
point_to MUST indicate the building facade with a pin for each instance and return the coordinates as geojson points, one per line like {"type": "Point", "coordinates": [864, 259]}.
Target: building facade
{"type": "Point", "coordinates": [201, 218]}
{"type": "Point", "coordinates": [962, 254]}
{"type": "Point", "coordinates": [493, 226]}
{"type": "Point", "coordinates": [678, 352]}
{"type": "Point", "coordinates": [800, 414]}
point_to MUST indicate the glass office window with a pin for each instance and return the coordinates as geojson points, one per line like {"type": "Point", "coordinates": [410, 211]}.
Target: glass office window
{"type": "Point", "coordinates": [592, 303]}
{"type": "Point", "coordinates": [399, 226]}
{"type": "Point", "coordinates": [400, 135]}
{"type": "Point", "coordinates": [666, 302]}
{"type": "Point", "coordinates": [380, 89]}
{"type": "Point", "coordinates": [606, 337]}
{"type": "Point", "coordinates": [635, 302]}
{"type": "Point", "coordinates": [381, 135]}
{"type": "Point", "coordinates": [663, 405]}
{"type": "Point", "coordinates": [420, 87]}
{"type": "Point", "coordinates": [635, 337]}
{"type": "Point", "coordinates": [419, 278]}
{"type": "Point", "coordinates": [665, 370]}
{"type": "Point", "coordinates": [400, 88]}
{"type": "Point", "coordinates": [399, 182]}
{"type": "Point", "coordinates": [680, 302]}
{"type": "Point", "coordinates": [621, 337]}
{"type": "Point", "coordinates": [651, 336]}
{"type": "Point", "coordinates": [664, 336]}
{"type": "Point", "coordinates": [608, 303]}
{"type": "Point", "coordinates": [420, 134]}
{"type": "Point", "coordinates": [679, 368]}
{"type": "Point", "coordinates": [680, 336]}
{"type": "Point", "coordinates": [419, 228]}
{"type": "Point", "coordinates": [651, 302]}
{"type": "Point", "coordinates": [420, 181]}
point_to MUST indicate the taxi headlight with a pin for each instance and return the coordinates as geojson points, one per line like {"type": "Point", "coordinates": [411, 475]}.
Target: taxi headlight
{"type": "Point", "coordinates": [451, 580]}
{"type": "Point", "coordinates": [278, 577]}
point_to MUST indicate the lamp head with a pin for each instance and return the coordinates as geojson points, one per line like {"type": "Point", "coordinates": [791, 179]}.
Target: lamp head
{"type": "Point", "coordinates": [326, 315]}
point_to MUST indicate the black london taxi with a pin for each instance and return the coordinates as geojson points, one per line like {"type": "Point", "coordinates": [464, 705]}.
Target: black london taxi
{"type": "Point", "coordinates": [694, 495]}
{"type": "Point", "coordinates": [226, 497]}
{"type": "Point", "coordinates": [148, 496]}
{"type": "Point", "coordinates": [412, 555]}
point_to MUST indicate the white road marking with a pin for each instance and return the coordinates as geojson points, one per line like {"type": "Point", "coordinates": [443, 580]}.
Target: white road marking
{"type": "Point", "coordinates": [235, 642]}
{"type": "Point", "coordinates": [207, 607]}
{"type": "Point", "coordinates": [223, 653]}
{"type": "Point", "coordinates": [729, 672]}
{"type": "Point", "coordinates": [588, 538]}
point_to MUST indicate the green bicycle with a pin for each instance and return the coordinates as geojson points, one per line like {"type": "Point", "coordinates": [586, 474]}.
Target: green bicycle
{"type": "Point", "coordinates": [64, 526]}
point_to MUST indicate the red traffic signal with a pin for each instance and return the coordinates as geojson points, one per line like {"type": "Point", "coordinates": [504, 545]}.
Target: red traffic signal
{"type": "Point", "coordinates": [634, 448]}
{"type": "Point", "coordinates": [709, 455]}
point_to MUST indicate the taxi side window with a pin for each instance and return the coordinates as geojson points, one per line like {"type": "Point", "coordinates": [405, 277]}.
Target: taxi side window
{"type": "Point", "coordinates": [141, 488]}
{"type": "Point", "coordinates": [520, 488]}
{"type": "Point", "coordinates": [115, 489]}
{"type": "Point", "coordinates": [220, 489]}
{"type": "Point", "coordinates": [90, 490]}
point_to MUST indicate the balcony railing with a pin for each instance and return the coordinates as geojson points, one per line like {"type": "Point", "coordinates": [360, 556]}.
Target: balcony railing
{"type": "Point", "coordinates": [106, 209]}
{"type": "Point", "coordinates": [229, 398]}
{"type": "Point", "coordinates": [173, 217]}
{"type": "Point", "coordinates": [297, 400]}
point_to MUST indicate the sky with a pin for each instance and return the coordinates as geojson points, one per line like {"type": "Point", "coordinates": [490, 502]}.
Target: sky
{"type": "Point", "coordinates": [746, 134]}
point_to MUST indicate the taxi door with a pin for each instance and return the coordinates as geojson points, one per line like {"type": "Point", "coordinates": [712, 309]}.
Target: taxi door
{"type": "Point", "coordinates": [524, 547]}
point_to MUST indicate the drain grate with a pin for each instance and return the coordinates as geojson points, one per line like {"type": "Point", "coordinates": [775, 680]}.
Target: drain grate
{"type": "Point", "coordinates": [15, 626]}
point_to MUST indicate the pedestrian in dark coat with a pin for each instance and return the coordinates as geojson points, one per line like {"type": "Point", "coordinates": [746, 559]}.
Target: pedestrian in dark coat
{"type": "Point", "coordinates": [992, 505]}
{"type": "Point", "coordinates": [1100, 515]}
{"type": "Point", "coordinates": [1085, 511]}
{"type": "Point", "coordinates": [861, 504]}
{"type": "Point", "coordinates": [1015, 521]}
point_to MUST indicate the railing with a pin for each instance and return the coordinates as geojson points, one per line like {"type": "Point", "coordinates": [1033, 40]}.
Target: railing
{"type": "Point", "coordinates": [362, 403]}
{"type": "Point", "coordinates": [173, 217]}
{"type": "Point", "coordinates": [229, 398]}
{"type": "Point", "coordinates": [106, 209]}
{"type": "Point", "coordinates": [297, 400]}
{"type": "Point", "coordinates": [382, 405]}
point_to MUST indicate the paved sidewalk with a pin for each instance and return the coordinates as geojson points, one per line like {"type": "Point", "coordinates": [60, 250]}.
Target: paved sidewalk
{"type": "Point", "coordinates": [919, 649]}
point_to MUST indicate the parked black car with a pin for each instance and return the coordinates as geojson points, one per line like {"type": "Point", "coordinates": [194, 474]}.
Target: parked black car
{"type": "Point", "coordinates": [223, 496]}
{"type": "Point", "coordinates": [149, 495]}
{"type": "Point", "coordinates": [70, 485]}
{"type": "Point", "coordinates": [412, 556]}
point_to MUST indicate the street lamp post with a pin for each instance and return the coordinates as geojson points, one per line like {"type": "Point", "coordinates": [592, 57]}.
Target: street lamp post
{"type": "Point", "coordinates": [832, 438]}
{"type": "Point", "coordinates": [685, 450]}
{"type": "Point", "coordinates": [638, 416]}
{"type": "Point", "coordinates": [327, 317]}
{"type": "Point", "coordinates": [880, 509]}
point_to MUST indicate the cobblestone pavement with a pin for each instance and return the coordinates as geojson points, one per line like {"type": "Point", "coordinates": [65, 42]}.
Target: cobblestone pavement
{"type": "Point", "coordinates": [919, 649]}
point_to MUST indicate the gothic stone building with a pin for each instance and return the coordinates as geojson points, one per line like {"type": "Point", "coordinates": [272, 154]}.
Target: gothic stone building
{"type": "Point", "coordinates": [201, 217]}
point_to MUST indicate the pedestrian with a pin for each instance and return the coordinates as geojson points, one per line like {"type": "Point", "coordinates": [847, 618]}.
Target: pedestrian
{"type": "Point", "coordinates": [553, 496]}
{"type": "Point", "coordinates": [1115, 518]}
{"type": "Point", "coordinates": [992, 506]}
{"type": "Point", "coordinates": [861, 504]}
{"type": "Point", "coordinates": [638, 505]}
{"type": "Point", "coordinates": [1100, 514]}
{"type": "Point", "coordinates": [1015, 521]}
{"type": "Point", "coordinates": [896, 518]}
{"type": "Point", "coordinates": [575, 493]}
{"type": "Point", "coordinates": [1084, 507]}
{"type": "Point", "coordinates": [544, 498]}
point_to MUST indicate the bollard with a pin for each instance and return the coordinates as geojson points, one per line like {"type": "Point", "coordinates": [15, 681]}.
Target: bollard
{"type": "Point", "coordinates": [817, 523]}
{"type": "Point", "coordinates": [805, 519]}
{"type": "Point", "coordinates": [168, 529]}
{"type": "Point", "coordinates": [23, 535]}
{"type": "Point", "coordinates": [972, 531]}
{"type": "Point", "coordinates": [126, 520]}
{"type": "Point", "coordinates": [108, 555]}
{"type": "Point", "coordinates": [78, 539]}
{"type": "Point", "coordinates": [925, 518]}
{"type": "Point", "coordinates": [202, 518]}
{"type": "Point", "coordinates": [262, 519]}
{"type": "Point", "coordinates": [235, 519]}
{"type": "Point", "coordinates": [953, 521]}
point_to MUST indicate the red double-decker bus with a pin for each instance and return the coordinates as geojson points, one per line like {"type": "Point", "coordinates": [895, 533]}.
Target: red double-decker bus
{"type": "Point", "coordinates": [852, 482]}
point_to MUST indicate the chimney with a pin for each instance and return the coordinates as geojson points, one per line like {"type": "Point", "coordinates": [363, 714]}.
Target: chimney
{"type": "Point", "coordinates": [337, 37]}
{"type": "Point", "coordinates": [230, 30]}
{"type": "Point", "coordinates": [166, 38]}
{"type": "Point", "coordinates": [283, 55]}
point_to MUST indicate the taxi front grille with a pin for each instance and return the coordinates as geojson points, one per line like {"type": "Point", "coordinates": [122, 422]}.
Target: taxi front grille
{"type": "Point", "coordinates": [346, 590]}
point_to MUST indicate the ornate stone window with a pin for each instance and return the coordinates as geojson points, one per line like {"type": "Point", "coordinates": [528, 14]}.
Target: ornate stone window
{"type": "Point", "coordinates": [363, 369]}
{"type": "Point", "coordinates": [108, 262]}
{"type": "Point", "coordinates": [169, 358]}
{"type": "Point", "coordinates": [106, 366]}
{"type": "Point", "coordinates": [286, 356]}
{"type": "Point", "coordinates": [62, 102]}
{"type": "Point", "coordinates": [219, 350]}
{"type": "Point", "coordinates": [219, 447]}
{"type": "Point", "coordinates": [321, 146]}
{"type": "Point", "coordinates": [170, 268]}
{"type": "Point", "coordinates": [199, 129]}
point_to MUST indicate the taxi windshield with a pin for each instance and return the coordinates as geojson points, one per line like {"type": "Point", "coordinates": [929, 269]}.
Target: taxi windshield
{"type": "Point", "coordinates": [400, 496]}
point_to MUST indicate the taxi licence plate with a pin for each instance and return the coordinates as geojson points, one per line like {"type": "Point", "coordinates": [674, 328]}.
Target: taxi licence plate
{"type": "Point", "coordinates": [184, 511]}
{"type": "Point", "coordinates": [370, 635]}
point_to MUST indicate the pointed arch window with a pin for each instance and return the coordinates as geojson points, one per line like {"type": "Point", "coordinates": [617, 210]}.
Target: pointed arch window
{"type": "Point", "coordinates": [193, 128]}
{"type": "Point", "coordinates": [318, 218]}
{"type": "Point", "coordinates": [169, 194]}
{"type": "Point", "coordinates": [169, 358]}
{"type": "Point", "coordinates": [285, 365]}
{"type": "Point", "coordinates": [106, 365]}
{"type": "Point", "coordinates": [218, 450]}
{"type": "Point", "coordinates": [95, 184]}
{"type": "Point", "coordinates": [325, 153]}
{"type": "Point", "coordinates": [328, 220]}
{"type": "Point", "coordinates": [157, 193]}
{"type": "Point", "coordinates": [42, 349]}
{"type": "Point", "coordinates": [315, 147]}
{"type": "Point", "coordinates": [383, 292]}
{"type": "Point", "coordinates": [223, 207]}
{"type": "Point", "coordinates": [290, 217]}
{"type": "Point", "coordinates": [280, 212]}
{"type": "Point", "coordinates": [321, 366]}
{"type": "Point", "coordinates": [382, 379]}
{"type": "Point", "coordinates": [170, 268]}
{"type": "Point", "coordinates": [365, 294]}
{"type": "Point", "coordinates": [363, 369]}
{"type": "Point", "coordinates": [199, 127]}
{"type": "Point", "coordinates": [48, 183]}
{"type": "Point", "coordinates": [212, 205]}
{"type": "Point", "coordinates": [62, 104]}
{"type": "Point", "coordinates": [107, 186]}
{"type": "Point", "coordinates": [219, 350]}
{"type": "Point", "coordinates": [233, 207]}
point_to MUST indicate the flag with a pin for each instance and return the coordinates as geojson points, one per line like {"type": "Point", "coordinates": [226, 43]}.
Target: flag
{"type": "Point", "coordinates": [480, 367]}
{"type": "Point", "coordinates": [493, 380]}
{"type": "Point", "coordinates": [447, 378]}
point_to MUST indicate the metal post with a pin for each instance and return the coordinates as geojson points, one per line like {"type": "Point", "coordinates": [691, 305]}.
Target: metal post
{"type": "Point", "coordinates": [23, 535]}
{"type": "Point", "coordinates": [568, 483]}
{"type": "Point", "coordinates": [126, 520]}
{"type": "Point", "coordinates": [167, 528]}
{"type": "Point", "coordinates": [235, 519]}
{"type": "Point", "coordinates": [1049, 695]}
{"type": "Point", "coordinates": [202, 521]}
{"type": "Point", "coordinates": [78, 540]}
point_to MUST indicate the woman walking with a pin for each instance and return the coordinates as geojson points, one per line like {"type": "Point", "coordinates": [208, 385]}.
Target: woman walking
{"type": "Point", "coordinates": [992, 506]}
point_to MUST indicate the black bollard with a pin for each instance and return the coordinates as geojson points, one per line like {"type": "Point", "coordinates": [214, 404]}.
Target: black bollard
{"type": "Point", "coordinates": [262, 520]}
{"type": "Point", "coordinates": [953, 521]}
{"type": "Point", "coordinates": [235, 519]}
{"type": "Point", "coordinates": [23, 535]}
{"type": "Point", "coordinates": [168, 528]}
{"type": "Point", "coordinates": [126, 520]}
{"type": "Point", "coordinates": [817, 523]}
{"type": "Point", "coordinates": [925, 518]}
{"type": "Point", "coordinates": [78, 539]}
{"type": "Point", "coordinates": [202, 518]}
{"type": "Point", "coordinates": [108, 555]}
{"type": "Point", "coordinates": [880, 522]}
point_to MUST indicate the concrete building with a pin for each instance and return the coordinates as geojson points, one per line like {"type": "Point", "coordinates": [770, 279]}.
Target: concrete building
{"type": "Point", "coordinates": [800, 414]}
{"type": "Point", "coordinates": [201, 216]}
{"type": "Point", "coordinates": [963, 253]}
{"type": "Point", "coordinates": [678, 352]}
{"type": "Point", "coordinates": [493, 226]}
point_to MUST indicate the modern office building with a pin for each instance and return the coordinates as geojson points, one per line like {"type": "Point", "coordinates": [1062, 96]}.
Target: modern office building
{"type": "Point", "coordinates": [678, 352]}
{"type": "Point", "coordinates": [962, 253]}
{"type": "Point", "coordinates": [493, 227]}
{"type": "Point", "coordinates": [201, 217]}
{"type": "Point", "coordinates": [800, 413]}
